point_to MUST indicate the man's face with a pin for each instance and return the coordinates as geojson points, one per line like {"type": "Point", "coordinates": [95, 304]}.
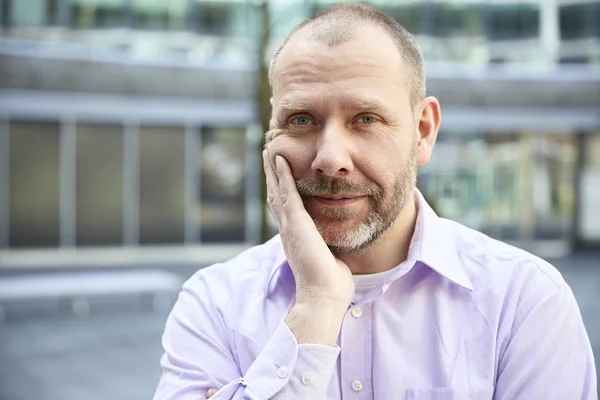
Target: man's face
{"type": "Point", "coordinates": [342, 118]}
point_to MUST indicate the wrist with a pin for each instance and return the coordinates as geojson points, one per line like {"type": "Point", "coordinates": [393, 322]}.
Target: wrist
{"type": "Point", "coordinates": [316, 323]}
{"type": "Point", "coordinates": [321, 306]}
{"type": "Point", "coordinates": [322, 298]}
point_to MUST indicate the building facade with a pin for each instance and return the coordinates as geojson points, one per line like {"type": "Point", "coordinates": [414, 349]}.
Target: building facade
{"type": "Point", "coordinates": [132, 123]}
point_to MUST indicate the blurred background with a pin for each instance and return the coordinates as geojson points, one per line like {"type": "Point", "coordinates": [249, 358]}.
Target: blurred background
{"type": "Point", "coordinates": [130, 136]}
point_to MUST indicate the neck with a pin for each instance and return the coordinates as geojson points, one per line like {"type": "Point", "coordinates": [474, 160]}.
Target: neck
{"type": "Point", "coordinates": [389, 250]}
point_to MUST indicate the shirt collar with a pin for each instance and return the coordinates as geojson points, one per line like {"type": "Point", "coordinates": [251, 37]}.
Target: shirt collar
{"type": "Point", "coordinates": [432, 245]}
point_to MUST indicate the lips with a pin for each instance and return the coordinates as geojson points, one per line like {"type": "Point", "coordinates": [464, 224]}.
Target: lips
{"type": "Point", "coordinates": [339, 200]}
{"type": "Point", "coordinates": [339, 197]}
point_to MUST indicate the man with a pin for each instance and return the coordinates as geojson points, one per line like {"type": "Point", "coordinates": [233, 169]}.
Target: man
{"type": "Point", "coordinates": [366, 293]}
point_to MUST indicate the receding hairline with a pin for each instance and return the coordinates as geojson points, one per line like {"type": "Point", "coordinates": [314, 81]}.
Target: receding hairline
{"type": "Point", "coordinates": [336, 25]}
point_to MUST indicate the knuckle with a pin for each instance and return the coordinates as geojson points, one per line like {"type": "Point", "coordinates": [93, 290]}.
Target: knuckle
{"type": "Point", "coordinates": [285, 199]}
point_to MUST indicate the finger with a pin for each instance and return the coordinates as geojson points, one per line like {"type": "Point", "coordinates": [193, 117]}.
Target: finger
{"type": "Point", "coordinates": [211, 393]}
{"type": "Point", "coordinates": [288, 193]}
{"type": "Point", "coordinates": [272, 187]}
{"type": "Point", "coordinates": [270, 168]}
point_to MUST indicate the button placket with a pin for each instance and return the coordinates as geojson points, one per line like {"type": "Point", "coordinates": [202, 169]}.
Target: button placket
{"type": "Point", "coordinates": [356, 343]}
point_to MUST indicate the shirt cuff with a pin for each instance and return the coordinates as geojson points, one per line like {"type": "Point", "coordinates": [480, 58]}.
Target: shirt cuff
{"type": "Point", "coordinates": [313, 371]}
{"type": "Point", "coordinates": [290, 370]}
{"type": "Point", "coordinates": [271, 370]}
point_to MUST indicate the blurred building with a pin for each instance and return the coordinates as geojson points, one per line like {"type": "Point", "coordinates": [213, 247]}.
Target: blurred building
{"type": "Point", "coordinates": [132, 123]}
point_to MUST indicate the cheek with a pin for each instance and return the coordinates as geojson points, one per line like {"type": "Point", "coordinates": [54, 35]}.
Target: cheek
{"type": "Point", "coordinates": [383, 164]}
{"type": "Point", "coordinates": [296, 152]}
{"type": "Point", "coordinates": [376, 159]}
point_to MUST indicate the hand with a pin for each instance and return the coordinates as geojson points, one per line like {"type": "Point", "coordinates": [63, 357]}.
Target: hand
{"type": "Point", "coordinates": [209, 394]}
{"type": "Point", "coordinates": [320, 277]}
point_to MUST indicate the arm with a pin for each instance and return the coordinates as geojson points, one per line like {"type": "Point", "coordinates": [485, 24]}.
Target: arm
{"type": "Point", "coordinates": [197, 355]}
{"type": "Point", "coordinates": [299, 359]}
{"type": "Point", "coordinates": [549, 355]}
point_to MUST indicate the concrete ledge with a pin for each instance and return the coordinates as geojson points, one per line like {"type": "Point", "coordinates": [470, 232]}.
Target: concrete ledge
{"type": "Point", "coordinates": [118, 256]}
{"type": "Point", "coordinates": [87, 284]}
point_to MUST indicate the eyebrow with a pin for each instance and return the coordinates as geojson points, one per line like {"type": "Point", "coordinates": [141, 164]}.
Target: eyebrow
{"type": "Point", "coordinates": [369, 105]}
{"type": "Point", "coordinates": [293, 104]}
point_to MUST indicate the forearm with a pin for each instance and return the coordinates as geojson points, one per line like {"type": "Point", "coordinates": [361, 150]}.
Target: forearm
{"type": "Point", "coordinates": [316, 322]}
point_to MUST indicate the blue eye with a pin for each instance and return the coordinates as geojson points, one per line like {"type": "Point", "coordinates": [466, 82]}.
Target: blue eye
{"type": "Point", "coordinates": [301, 120]}
{"type": "Point", "coordinates": [367, 119]}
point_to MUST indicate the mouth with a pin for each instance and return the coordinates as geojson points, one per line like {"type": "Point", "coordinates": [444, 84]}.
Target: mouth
{"type": "Point", "coordinates": [338, 199]}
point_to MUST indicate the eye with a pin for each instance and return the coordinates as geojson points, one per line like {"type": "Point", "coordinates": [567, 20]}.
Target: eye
{"type": "Point", "coordinates": [367, 119]}
{"type": "Point", "coordinates": [302, 120]}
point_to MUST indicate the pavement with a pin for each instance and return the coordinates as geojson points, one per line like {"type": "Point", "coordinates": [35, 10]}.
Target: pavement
{"type": "Point", "coordinates": [114, 353]}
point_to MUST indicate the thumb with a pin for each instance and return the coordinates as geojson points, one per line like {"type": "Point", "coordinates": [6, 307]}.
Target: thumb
{"type": "Point", "coordinates": [211, 392]}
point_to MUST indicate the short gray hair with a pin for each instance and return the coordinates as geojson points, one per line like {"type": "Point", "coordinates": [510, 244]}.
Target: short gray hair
{"type": "Point", "coordinates": [334, 26]}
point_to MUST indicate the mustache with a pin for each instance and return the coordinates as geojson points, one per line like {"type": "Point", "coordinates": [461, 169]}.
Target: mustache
{"type": "Point", "coordinates": [333, 186]}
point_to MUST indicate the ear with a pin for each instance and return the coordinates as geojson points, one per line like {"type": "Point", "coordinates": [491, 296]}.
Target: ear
{"type": "Point", "coordinates": [429, 117]}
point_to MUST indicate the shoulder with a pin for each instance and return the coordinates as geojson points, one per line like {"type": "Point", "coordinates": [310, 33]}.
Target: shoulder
{"type": "Point", "coordinates": [510, 284]}
{"type": "Point", "coordinates": [249, 271]}
{"type": "Point", "coordinates": [249, 290]}
{"type": "Point", "coordinates": [493, 265]}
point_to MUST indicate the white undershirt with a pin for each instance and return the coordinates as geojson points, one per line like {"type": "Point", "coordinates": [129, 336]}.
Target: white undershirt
{"type": "Point", "coordinates": [365, 283]}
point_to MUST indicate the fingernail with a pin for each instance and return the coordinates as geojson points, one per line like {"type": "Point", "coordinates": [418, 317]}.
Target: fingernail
{"type": "Point", "coordinates": [277, 160]}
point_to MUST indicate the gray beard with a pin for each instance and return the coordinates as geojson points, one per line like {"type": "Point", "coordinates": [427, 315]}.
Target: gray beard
{"type": "Point", "coordinates": [384, 213]}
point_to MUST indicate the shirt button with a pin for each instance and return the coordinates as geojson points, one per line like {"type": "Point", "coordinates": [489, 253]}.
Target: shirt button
{"type": "Point", "coordinates": [357, 386]}
{"type": "Point", "coordinates": [356, 312]}
{"type": "Point", "coordinates": [306, 379]}
{"type": "Point", "coordinates": [283, 372]}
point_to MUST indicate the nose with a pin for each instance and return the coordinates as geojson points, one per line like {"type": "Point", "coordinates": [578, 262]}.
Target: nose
{"type": "Point", "coordinates": [333, 156]}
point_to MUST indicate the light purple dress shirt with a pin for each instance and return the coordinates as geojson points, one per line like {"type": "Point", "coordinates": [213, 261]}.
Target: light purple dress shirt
{"type": "Point", "coordinates": [464, 317]}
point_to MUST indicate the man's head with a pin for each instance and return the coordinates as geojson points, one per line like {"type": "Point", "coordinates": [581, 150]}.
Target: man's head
{"type": "Point", "coordinates": [351, 117]}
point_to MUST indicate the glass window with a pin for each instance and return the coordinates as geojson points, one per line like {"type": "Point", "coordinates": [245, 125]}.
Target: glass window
{"type": "Point", "coordinates": [487, 182]}
{"type": "Point", "coordinates": [162, 184]}
{"type": "Point", "coordinates": [500, 184]}
{"type": "Point", "coordinates": [226, 18]}
{"type": "Point", "coordinates": [92, 14]}
{"type": "Point", "coordinates": [410, 16]}
{"type": "Point", "coordinates": [583, 59]}
{"type": "Point", "coordinates": [28, 13]}
{"type": "Point", "coordinates": [595, 18]}
{"type": "Point", "coordinates": [592, 147]}
{"type": "Point", "coordinates": [553, 185]}
{"type": "Point", "coordinates": [454, 20]}
{"type": "Point", "coordinates": [99, 184]}
{"type": "Point", "coordinates": [34, 184]}
{"type": "Point", "coordinates": [579, 20]}
{"type": "Point", "coordinates": [222, 205]}
{"type": "Point", "coordinates": [160, 14]}
{"type": "Point", "coordinates": [589, 217]}
{"type": "Point", "coordinates": [513, 21]}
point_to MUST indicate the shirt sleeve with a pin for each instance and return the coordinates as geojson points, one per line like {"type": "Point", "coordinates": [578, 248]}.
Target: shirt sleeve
{"type": "Point", "coordinates": [198, 356]}
{"type": "Point", "coordinates": [549, 355]}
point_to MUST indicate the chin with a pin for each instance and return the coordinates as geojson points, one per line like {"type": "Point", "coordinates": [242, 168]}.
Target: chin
{"type": "Point", "coordinates": [345, 236]}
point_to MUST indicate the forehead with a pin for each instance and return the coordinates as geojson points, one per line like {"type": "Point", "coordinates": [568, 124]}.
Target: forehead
{"type": "Point", "coordinates": [368, 63]}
